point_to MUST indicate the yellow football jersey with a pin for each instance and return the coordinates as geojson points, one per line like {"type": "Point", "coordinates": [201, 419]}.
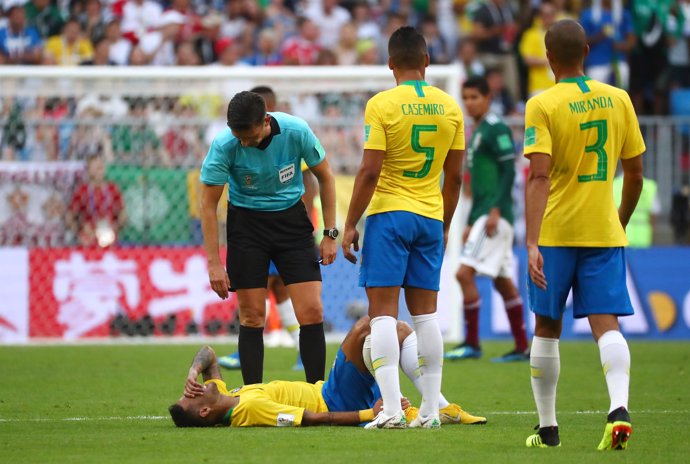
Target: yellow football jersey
{"type": "Point", "coordinates": [275, 404]}
{"type": "Point", "coordinates": [585, 126]}
{"type": "Point", "coordinates": [415, 124]}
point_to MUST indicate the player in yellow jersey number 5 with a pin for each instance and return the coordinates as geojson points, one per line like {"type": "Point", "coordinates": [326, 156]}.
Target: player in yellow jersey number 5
{"type": "Point", "coordinates": [575, 133]}
{"type": "Point", "coordinates": [413, 133]}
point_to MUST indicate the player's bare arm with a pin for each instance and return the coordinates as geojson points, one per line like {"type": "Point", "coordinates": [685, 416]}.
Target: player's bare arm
{"type": "Point", "coordinates": [452, 184]}
{"type": "Point", "coordinates": [365, 185]}
{"type": "Point", "coordinates": [348, 417]}
{"type": "Point", "coordinates": [311, 189]}
{"type": "Point", "coordinates": [217, 275]}
{"type": "Point", "coordinates": [632, 187]}
{"type": "Point", "coordinates": [324, 175]}
{"type": "Point", "coordinates": [336, 418]}
{"type": "Point", "coordinates": [536, 196]}
{"type": "Point", "coordinates": [206, 364]}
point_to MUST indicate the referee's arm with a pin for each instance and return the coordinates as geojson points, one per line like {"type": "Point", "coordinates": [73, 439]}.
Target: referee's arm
{"type": "Point", "coordinates": [218, 277]}
{"type": "Point", "coordinates": [324, 175]}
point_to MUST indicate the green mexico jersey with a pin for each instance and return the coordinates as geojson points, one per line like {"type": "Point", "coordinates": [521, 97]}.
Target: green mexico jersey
{"type": "Point", "coordinates": [491, 161]}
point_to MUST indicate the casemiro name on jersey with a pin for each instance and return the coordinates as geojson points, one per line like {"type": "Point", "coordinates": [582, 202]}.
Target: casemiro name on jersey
{"type": "Point", "coordinates": [422, 109]}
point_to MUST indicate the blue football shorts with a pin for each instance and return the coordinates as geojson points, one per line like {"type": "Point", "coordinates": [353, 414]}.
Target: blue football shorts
{"type": "Point", "coordinates": [348, 389]}
{"type": "Point", "coordinates": [596, 276]}
{"type": "Point", "coordinates": [402, 249]}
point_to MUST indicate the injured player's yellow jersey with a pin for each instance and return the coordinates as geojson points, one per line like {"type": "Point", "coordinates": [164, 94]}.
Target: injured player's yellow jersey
{"type": "Point", "coordinates": [275, 404]}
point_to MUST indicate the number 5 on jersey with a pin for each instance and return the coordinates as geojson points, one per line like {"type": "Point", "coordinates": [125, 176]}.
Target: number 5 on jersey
{"type": "Point", "coordinates": [417, 129]}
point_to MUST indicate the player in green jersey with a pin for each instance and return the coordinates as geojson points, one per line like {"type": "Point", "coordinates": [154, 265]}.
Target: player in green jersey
{"type": "Point", "coordinates": [488, 238]}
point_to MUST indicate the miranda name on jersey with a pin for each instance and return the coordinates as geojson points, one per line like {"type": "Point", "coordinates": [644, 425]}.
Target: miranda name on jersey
{"type": "Point", "coordinates": [583, 106]}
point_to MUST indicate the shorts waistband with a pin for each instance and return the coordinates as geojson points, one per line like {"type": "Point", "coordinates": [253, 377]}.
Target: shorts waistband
{"type": "Point", "coordinates": [261, 213]}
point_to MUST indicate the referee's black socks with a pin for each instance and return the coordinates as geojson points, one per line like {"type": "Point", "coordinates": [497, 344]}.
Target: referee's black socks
{"type": "Point", "coordinates": [312, 349]}
{"type": "Point", "coordinates": [251, 348]}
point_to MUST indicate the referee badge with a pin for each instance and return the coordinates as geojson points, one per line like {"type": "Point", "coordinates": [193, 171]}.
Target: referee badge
{"type": "Point", "coordinates": [287, 173]}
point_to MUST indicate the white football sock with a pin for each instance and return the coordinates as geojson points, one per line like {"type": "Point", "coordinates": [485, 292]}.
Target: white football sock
{"type": "Point", "coordinates": [385, 355]}
{"type": "Point", "coordinates": [545, 367]}
{"type": "Point", "coordinates": [289, 320]}
{"type": "Point", "coordinates": [366, 354]}
{"type": "Point", "coordinates": [615, 359]}
{"type": "Point", "coordinates": [409, 363]}
{"type": "Point", "coordinates": [430, 348]}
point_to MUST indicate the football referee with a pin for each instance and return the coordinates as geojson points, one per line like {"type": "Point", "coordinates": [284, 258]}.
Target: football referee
{"type": "Point", "coordinates": [259, 156]}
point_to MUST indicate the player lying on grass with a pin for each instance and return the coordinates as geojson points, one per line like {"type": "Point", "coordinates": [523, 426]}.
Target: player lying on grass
{"type": "Point", "coordinates": [350, 396]}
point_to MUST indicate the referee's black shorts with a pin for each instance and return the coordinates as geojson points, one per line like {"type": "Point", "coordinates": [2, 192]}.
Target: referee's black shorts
{"type": "Point", "coordinates": [257, 237]}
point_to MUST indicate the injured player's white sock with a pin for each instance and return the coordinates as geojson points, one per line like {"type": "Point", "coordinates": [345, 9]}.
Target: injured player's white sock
{"type": "Point", "coordinates": [545, 367]}
{"type": "Point", "coordinates": [289, 320]}
{"type": "Point", "coordinates": [409, 363]}
{"type": "Point", "coordinates": [385, 355]}
{"type": "Point", "coordinates": [366, 355]}
{"type": "Point", "coordinates": [430, 347]}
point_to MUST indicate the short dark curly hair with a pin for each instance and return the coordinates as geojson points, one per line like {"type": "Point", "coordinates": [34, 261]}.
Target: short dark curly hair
{"type": "Point", "coordinates": [183, 418]}
{"type": "Point", "coordinates": [479, 83]}
{"type": "Point", "coordinates": [407, 48]}
{"type": "Point", "coordinates": [246, 110]}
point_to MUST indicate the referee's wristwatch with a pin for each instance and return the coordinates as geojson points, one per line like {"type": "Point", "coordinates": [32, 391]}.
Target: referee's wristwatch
{"type": "Point", "coordinates": [331, 233]}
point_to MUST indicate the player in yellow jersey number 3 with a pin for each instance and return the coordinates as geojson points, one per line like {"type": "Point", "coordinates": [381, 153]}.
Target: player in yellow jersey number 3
{"type": "Point", "coordinates": [413, 133]}
{"type": "Point", "coordinates": [575, 133]}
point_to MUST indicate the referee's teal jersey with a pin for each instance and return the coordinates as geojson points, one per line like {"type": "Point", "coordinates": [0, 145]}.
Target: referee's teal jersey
{"type": "Point", "coordinates": [267, 177]}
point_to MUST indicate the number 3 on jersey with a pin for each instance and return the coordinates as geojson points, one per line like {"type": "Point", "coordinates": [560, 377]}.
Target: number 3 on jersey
{"type": "Point", "coordinates": [598, 148]}
{"type": "Point", "coordinates": [417, 129]}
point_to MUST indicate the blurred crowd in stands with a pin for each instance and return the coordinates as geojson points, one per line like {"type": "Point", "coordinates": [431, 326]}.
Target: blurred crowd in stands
{"type": "Point", "coordinates": [639, 45]}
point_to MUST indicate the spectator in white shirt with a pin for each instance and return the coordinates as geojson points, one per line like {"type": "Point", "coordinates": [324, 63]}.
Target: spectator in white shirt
{"type": "Point", "coordinates": [367, 28]}
{"type": "Point", "coordinates": [159, 46]}
{"type": "Point", "coordinates": [329, 17]}
{"type": "Point", "coordinates": [140, 17]}
{"type": "Point", "coordinates": [120, 48]}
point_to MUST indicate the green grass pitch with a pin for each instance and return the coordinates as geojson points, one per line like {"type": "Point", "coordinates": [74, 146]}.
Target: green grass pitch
{"type": "Point", "coordinates": [105, 404]}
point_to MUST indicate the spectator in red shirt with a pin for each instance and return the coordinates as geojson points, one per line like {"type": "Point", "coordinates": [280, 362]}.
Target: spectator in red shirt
{"type": "Point", "coordinates": [302, 49]}
{"type": "Point", "coordinates": [96, 210]}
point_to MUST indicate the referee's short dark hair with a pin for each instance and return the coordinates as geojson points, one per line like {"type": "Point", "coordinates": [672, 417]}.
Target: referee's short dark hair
{"type": "Point", "coordinates": [246, 110]}
{"type": "Point", "coordinates": [407, 48]}
{"type": "Point", "coordinates": [477, 82]}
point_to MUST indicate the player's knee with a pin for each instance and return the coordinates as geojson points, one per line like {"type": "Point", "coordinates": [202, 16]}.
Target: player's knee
{"type": "Point", "coordinates": [465, 275]}
{"type": "Point", "coordinates": [252, 316]}
{"type": "Point", "coordinates": [309, 313]}
{"type": "Point", "coordinates": [602, 323]}
{"type": "Point", "coordinates": [506, 288]}
{"type": "Point", "coordinates": [547, 328]}
{"type": "Point", "coordinates": [361, 328]}
{"type": "Point", "coordinates": [404, 330]}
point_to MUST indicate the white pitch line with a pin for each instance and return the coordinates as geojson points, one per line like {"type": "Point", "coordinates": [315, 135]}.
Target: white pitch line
{"type": "Point", "coordinates": [489, 414]}
{"type": "Point", "coordinates": [79, 419]}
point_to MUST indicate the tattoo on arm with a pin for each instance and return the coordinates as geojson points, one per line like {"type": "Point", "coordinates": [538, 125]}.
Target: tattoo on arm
{"type": "Point", "coordinates": [205, 362]}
